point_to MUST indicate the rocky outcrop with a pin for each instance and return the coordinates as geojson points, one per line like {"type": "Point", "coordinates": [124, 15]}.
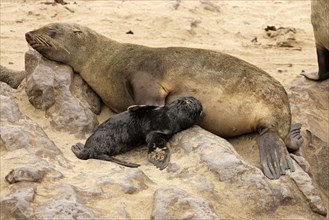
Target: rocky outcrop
{"type": "Point", "coordinates": [19, 132]}
{"type": "Point", "coordinates": [206, 179]}
{"type": "Point", "coordinates": [67, 100]}
{"type": "Point", "coordinates": [66, 205]}
{"type": "Point", "coordinates": [17, 204]}
{"type": "Point", "coordinates": [310, 106]}
{"type": "Point", "coordinates": [174, 203]}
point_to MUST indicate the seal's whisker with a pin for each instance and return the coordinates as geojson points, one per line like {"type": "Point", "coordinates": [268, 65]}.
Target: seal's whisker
{"type": "Point", "coordinates": [44, 41]}
{"type": "Point", "coordinates": [67, 51]}
{"type": "Point", "coordinates": [37, 40]}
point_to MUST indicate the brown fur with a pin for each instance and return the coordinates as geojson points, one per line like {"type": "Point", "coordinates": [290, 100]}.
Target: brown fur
{"type": "Point", "coordinates": [128, 74]}
{"type": "Point", "coordinates": [237, 97]}
{"type": "Point", "coordinates": [320, 22]}
{"type": "Point", "coordinates": [11, 77]}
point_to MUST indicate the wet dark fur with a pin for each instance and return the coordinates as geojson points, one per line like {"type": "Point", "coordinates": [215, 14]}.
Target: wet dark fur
{"type": "Point", "coordinates": [137, 126]}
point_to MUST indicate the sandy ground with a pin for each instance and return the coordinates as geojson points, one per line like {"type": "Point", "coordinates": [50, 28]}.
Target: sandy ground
{"type": "Point", "coordinates": [227, 26]}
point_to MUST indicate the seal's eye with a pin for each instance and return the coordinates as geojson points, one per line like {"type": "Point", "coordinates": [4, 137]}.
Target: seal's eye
{"type": "Point", "coordinates": [52, 33]}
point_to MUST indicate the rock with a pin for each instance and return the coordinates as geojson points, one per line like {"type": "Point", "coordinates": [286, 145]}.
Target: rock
{"type": "Point", "coordinates": [85, 94]}
{"type": "Point", "coordinates": [26, 174]}
{"type": "Point", "coordinates": [66, 207]}
{"type": "Point", "coordinates": [175, 3]}
{"type": "Point", "coordinates": [121, 208]}
{"type": "Point", "coordinates": [222, 159]}
{"type": "Point", "coordinates": [11, 77]}
{"type": "Point", "coordinates": [131, 181]}
{"type": "Point", "coordinates": [302, 162]}
{"type": "Point", "coordinates": [16, 205]}
{"type": "Point", "coordinates": [208, 5]}
{"type": "Point", "coordinates": [18, 131]}
{"type": "Point", "coordinates": [175, 203]}
{"type": "Point", "coordinates": [284, 36]}
{"type": "Point", "coordinates": [67, 100]}
{"type": "Point", "coordinates": [305, 184]}
{"type": "Point", "coordinates": [9, 110]}
{"type": "Point", "coordinates": [309, 102]}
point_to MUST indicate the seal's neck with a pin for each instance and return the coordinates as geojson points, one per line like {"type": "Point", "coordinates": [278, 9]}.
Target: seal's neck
{"type": "Point", "coordinates": [95, 49]}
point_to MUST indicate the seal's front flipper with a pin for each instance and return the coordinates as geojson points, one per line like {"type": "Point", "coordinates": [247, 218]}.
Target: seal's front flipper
{"type": "Point", "coordinates": [159, 156]}
{"type": "Point", "coordinates": [158, 151]}
{"type": "Point", "coordinates": [323, 63]}
{"type": "Point", "coordinates": [294, 140]}
{"type": "Point", "coordinates": [274, 156]}
{"type": "Point", "coordinates": [145, 87]}
{"type": "Point", "coordinates": [114, 160]}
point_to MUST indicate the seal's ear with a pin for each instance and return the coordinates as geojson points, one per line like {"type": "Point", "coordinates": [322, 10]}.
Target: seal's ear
{"type": "Point", "coordinates": [134, 108]}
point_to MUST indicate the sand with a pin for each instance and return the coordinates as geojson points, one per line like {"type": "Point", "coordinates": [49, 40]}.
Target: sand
{"type": "Point", "coordinates": [227, 26]}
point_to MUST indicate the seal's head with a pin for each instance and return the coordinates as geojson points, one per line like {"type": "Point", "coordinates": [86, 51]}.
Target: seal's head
{"type": "Point", "coordinates": [187, 111]}
{"type": "Point", "coordinates": [60, 41]}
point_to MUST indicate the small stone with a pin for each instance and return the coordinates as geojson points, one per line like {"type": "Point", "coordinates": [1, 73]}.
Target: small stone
{"type": "Point", "coordinates": [280, 70]}
{"type": "Point", "coordinates": [26, 174]}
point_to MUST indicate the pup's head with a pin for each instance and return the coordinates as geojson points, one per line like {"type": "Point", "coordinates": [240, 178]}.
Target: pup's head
{"type": "Point", "coordinates": [186, 111]}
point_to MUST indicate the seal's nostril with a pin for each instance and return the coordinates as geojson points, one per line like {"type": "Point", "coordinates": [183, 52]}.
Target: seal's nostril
{"type": "Point", "coordinates": [28, 36]}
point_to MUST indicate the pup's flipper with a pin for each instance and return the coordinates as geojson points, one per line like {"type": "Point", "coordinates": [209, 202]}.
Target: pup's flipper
{"type": "Point", "coordinates": [78, 150]}
{"type": "Point", "coordinates": [114, 160]}
{"type": "Point", "coordinates": [159, 156]}
{"type": "Point", "coordinates": [158, 151]}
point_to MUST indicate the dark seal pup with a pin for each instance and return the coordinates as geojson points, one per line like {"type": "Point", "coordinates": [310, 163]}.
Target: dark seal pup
{"type": "Point", "coordinates": [320, 23]}
{"type": "Point", "coordinates": [152, 125]}
{"type": "Point", "coordinates": [237, 97]}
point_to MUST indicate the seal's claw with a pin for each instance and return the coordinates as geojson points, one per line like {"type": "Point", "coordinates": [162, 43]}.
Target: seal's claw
{"type": "Point", "coordinates": [275, 159]}
{"type": "Point", "coordinates": [160, 157]}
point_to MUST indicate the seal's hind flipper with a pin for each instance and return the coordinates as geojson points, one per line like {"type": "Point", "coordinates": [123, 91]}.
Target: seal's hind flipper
{"type": "Point", "coordinates": [114, 160]}
{"type": "Point", "coordinates": [134, 108]}
{"type": "Point", "coordinates": [323, 57]}
{"type": "Point", "coordinates": [294, 140]}
{"type": "Point", "coordinates": [274, 156]}
{"type": "Point", "coordinates": [78, 150]}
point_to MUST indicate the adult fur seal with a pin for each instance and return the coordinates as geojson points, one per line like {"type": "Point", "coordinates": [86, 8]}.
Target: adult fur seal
{"type": "Point", "coordinates": [153, 125]}
{"type": "Point", "coordinates": [11, 77]}
{"type": "Point", "coordinates": [320, 23]}
{"type": "Point", "coordinates": [237, 97]}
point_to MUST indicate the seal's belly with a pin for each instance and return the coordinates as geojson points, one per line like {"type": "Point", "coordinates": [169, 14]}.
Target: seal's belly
{"type": "Point", "coordinates": [229, 116]}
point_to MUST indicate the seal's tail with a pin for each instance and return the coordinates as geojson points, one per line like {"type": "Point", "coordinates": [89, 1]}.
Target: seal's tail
{"type": "Point", "coordinates": [114, 160]}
